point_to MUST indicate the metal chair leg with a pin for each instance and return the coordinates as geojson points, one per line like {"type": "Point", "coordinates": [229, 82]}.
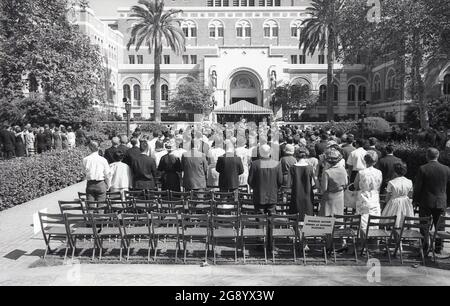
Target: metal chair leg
{"type": "Point", "coordinates": [386, 241]}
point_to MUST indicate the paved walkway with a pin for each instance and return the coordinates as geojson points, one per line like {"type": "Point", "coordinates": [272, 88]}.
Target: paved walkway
{"type": "Point", "coordinates": [21, 264]}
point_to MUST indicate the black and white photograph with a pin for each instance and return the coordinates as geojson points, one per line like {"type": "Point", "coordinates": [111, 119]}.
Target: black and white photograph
{"type": "Point", "coordinates": [225, 149]}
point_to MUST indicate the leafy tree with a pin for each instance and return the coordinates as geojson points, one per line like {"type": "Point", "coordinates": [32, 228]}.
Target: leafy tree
{"type": "Point", "coordinates": [41, 48]}
{"type": "Point", "coordinates": [191, 97]}
{"type": "Point", "coordinates": [293, 98]}
{"type": "Point", "coordinates": [153, 27]}
{"type": "Point", "coordinates": [413, 32]}
{"type": "Point", "coordinates": [439, 114]}
{"type": "Point", "coordinates": [321, 31]}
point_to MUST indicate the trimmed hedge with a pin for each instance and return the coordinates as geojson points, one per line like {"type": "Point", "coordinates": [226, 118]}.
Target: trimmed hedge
{"type": "Point", "coordinates": [27, 178]}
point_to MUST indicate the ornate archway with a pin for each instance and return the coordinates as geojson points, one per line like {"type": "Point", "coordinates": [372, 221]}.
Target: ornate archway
{"type": "Point", "coordinates": [244, 85]}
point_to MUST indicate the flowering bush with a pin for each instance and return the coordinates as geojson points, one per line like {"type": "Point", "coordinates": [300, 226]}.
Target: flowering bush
{"type": "Point", "coordinates": [24, 179]}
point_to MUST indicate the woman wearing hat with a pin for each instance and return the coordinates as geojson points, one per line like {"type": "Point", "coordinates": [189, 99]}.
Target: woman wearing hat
{"type": "Point", "coordinates": [334, 180]}
{"type": "Point", "coordinates": [170, 167]}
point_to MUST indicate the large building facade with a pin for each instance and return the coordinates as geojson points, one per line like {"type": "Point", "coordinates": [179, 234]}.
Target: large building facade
{"type": "Point", "coordinates": [243, 49]}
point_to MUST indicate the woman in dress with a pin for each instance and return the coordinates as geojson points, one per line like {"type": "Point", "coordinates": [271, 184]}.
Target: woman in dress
{"type": "Point", "coordinates": [170, 167]}
{"type": "Point", "coordinates": [245, 156]}
{"type": "Point", "coordinates": [57, 139]}
{"type": "Point", "coordinates": [20, 142]}
{"type": "Point", "coordinates": [368, 183]}
{"type": "Point", "coordinates": [334, 180]}
{"type": "Point", "coordinates": [213, 155]}
{"type": "Point", "coordinates": [398, 197]}
{"type": "Point", "coordinates": [301, 179]}
{"type": "Point", "coordinates": [71, 138]}
{"type": "Point", "coordinates": [65, 141]}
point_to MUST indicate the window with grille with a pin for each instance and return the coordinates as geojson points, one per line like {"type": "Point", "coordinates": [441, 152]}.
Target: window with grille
{"type": "Point", "coordinates": [321, 59]}
{"type": "Point", "coordinates": [127, 92]}
{"type": "Point", "coordinates": [164, 92]}
{"type": "Point", "coordinates": [362, 93]}
{"type": "Point", "coordinates": [166, 59]}
{"type": "Point", "coordinates": [131, 59]}
{"type": "Point", "coordinates": [302, 59]}
{"type": "Point", "coordinates": [351, 93]}
{"type": "Point", "coordinates": [137, 95]}
{"type": "Point", "coordinates": [185, 59]}
{"type": "Point", "coordinates": [140, 59]}
{"type": "Point", "coordinates": [194, 59]}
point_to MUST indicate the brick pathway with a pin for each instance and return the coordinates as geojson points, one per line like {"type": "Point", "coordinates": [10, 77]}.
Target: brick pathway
{"type": "Point", "coordinates": [21, 263]}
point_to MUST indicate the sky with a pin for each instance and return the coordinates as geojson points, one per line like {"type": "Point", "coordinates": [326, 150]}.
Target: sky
{"type": "Point", "coordinates": [109, 7]}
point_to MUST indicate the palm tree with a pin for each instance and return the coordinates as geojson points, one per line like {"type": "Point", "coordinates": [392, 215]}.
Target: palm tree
{"type": "Point", "coordinates": [153, 27]}
{"type": "Point", "coordinates": [320, 31]}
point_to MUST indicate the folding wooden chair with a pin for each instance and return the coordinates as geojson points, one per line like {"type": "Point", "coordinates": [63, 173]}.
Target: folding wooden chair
{"type": "Point", "coordinates": [75, 206]}
{"type": "Point", "coordinates": [349, 211]}
{"type": "Point", "coordinates": [82, 196]}
{"type": "Point", "coordinates": [195, 227]}
{"type": "Point", "coordinates": [157, 195]}
{"type": "Point", "coordinates": [224, 196]}
{"type": "Point", "coordinates": [379, 229]}
{"type": "Point", "coordinates": [53, 227]}
{"type": "Point", "coordinates": [136, 226]}
{"type": "Point", "coordinates": [108, 227]}
{"type": "Point", "coordinates": [346, 227]}
{"type": "Point", "coordinates": [246, 204]}
{"type": "Point", "coordinates": [411, 231]}
{"type": "Point", "coordinates": [145, 206]}
{"type": "Point", "coordinates": [243, 188]}
{"type": "Point", "coordinates": [166, 225]}
{"type": "Point", "coordinates": [225, 228]}
{"type": "Point", "coordinates": [119, 206]}
{"type": "Point", "coordinates": [284, 227]}
{"type": "Point", "coordinates": [442, 232]}
{"type": "Point", "coordinates": [201, 195]}
{"type": "Point", "coordinates": [172, 207]}
{"type": "Point", "coordinates": [254, 227]}
{"type": "Point", "coordinates": [316, 203]}
{"type": "Point", "coordinates": [97, 207]}
{"type": "Point", "coordinates": [225, 208]}
{"type": "Point", "coordinates": [134, 194]}
{"type": "Point", "coordinates": [199, 207]}
{"type": "Point", "coordinates": [114, 195]}
{"type": "Point", "coordinates": [310, 237]}
{"type": "Point", "coordinates": [180, 195]}
{"type": "Point", "coordinates": [80, 227]}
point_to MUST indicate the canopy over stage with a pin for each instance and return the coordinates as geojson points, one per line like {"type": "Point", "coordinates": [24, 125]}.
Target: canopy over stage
{"type": "Point", "coordinates": [242, 109]}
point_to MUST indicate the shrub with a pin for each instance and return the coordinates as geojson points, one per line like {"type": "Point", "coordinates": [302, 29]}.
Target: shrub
{"type": "Point", "coordinates": [412, 154]}
{"type": "Point", "coordinates": [27, 178]}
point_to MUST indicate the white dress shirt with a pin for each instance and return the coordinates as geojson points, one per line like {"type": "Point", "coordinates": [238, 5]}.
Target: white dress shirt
{"type": "Point", "coordinates": [96, 167]}
{"type": "Point", "coordinates": [120, 176]}
{"type": "Point", "coordinates": [356, 159]}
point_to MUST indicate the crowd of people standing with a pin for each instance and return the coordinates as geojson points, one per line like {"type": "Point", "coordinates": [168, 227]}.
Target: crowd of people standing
{"type": "Point", "coordinates": [345, 171]}
{"type": "Point", "coordinates": [28, 140]}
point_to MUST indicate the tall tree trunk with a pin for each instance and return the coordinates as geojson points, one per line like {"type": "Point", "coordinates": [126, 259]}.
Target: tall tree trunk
{"type": "Point", "coordinates": [418, 90]}
{"type": "Point", "coordinates": [157, 76]}
{"type": "Point", "coordinates": [330, 87]}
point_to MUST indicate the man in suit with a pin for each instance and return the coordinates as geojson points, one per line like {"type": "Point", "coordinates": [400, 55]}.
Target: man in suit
{"type": "Point", "coordinates": [48, 137]}
{"type": "Point", "coordinates": [430, 190]}
{"type": "Point", "coordinates": [386, 166]}
{"type": "Point", "coordinates": [322, 145]}
{"type": "Point", "coordinates": [109, 153]}
{"type": "Point", "coordinates": [265, 178]}
{"type": "Point", "coordinates": [229, 167]}
{"type": "Point", "coordinates": [8, 141]}
{"type": "Point", "coordinates": [132, 152]}
{"type": "Point", "coordinates": [123, 144]}
{"type": "Point", "coordinates": [143, 168]}
{"type": "Point", "coordinates": [195, 168]}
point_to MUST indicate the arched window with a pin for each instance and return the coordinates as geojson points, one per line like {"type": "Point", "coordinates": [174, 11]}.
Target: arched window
{"type": "Point", "coordinates": [137, 94]}
{"type": "Point", "coordinates": [270, 28]}
{"type": "Point", "coordinates": [243, 29]}
{"type": "Point", "coordinates": [189, 28]}
{"type": "Point", "coordinates": [362, 93]}
{"type": "Point", "coordinates": [351, 93]}
{"type": "Point", "coordinates": [336, 92]}
{"type": "Point", "coordinates": [164, 92]}
{"type": "Point", "coordinates": [215, 29]}
{"type": "Point", "coordinates": [323, 93]}
{"type": "Point", "coordinates": [390, 84]}
{"type": "Point", "coordinates": [127, 92]}
{"type": "Point", "coordinates": [296, 26]}
{"type": "Point", "coordinates": [446, 88]}
{"type": "Point", "coordinates": [152, 92]}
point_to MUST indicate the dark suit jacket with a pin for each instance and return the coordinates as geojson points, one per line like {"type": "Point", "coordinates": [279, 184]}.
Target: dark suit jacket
{"type": "Point", "coordinates": [386, 166]}
{"type": "Point", "coordinates": [144, 171]}
{"type": "Point", "coordinates": [195, 168]}
{"type": "Point", "coordinates": [8, 140]}
{"type": "Point", "coordinates": [41, 142]}
{"type": "Point", "coordinates": [130, 155]}
{"type": "Point", "coordinates": [109, 154]}
{"type": "Point", "coordinates": [265, 177]}
{"type": "Point", "coordinates": [430, 186]}
{"type": "Point", "coordinates": [229, 168]}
